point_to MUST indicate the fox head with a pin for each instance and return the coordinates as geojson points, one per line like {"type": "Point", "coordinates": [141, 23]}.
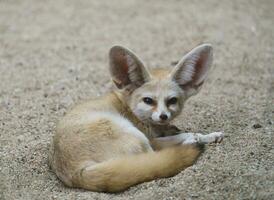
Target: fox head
{"type": "Point", "coordinates": [158, 97]}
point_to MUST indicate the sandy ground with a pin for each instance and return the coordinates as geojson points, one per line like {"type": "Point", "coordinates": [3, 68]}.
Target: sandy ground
{"type": "Point", "coordinates": [53, 54]}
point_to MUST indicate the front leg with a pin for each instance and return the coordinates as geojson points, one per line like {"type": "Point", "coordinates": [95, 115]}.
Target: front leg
{"type": "Point", "coordinates": [186, 138]}
{"type": "Point", "coordinates": [215, 137]}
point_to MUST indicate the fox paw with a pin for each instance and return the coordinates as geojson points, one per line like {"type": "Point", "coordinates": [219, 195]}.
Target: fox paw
{"type": "Point", "coordinates": [216, 137]}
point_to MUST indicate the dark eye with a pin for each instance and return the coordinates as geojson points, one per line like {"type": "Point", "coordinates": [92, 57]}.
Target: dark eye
{"type": "Point", "coordinates": [148, 100]}
{"type": "Point", "coordinates": [172, 100]}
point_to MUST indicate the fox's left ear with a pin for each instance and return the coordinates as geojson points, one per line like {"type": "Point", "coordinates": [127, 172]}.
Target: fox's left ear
{"type": "Point", "coordinates": [191, 71]}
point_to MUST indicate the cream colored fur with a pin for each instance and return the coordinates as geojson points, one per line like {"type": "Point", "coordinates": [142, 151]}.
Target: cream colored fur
{"type": "Point", "coordinates": [119, 140]}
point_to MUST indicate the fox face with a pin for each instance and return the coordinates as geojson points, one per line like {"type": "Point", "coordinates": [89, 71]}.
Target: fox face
{"type": "Point", "coordinates": [158, 96]}
{"type": "Point", "coordinates": [157, 101]}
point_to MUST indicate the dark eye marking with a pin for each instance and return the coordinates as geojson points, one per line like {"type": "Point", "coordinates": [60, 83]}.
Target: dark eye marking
{"type": "Point", "coordinates": [148, 100]}
{"type": "Point", "coordinates": [172, 101]}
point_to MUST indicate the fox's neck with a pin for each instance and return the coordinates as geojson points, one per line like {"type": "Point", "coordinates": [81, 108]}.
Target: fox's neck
{"type": "Point", "coordinates": [119, 102]}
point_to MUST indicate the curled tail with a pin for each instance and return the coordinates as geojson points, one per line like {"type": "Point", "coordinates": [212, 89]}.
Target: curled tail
{"type": "Point", "coordinates": [119, 174]}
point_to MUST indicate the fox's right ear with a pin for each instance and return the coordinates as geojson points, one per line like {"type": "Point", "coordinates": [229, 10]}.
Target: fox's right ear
{"type": "Point", "coordinates": [127, 70]}
{"type": "Point", "coordinates": [191, 71]}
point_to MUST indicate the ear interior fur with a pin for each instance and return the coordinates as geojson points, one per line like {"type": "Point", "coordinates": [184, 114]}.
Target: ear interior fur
{"type": "Point", "coordinates": [191, 71]}
{"type": "Point", "coordinates": [127, 70]}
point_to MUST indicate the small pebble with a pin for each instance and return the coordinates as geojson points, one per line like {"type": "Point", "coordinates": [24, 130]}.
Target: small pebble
{"type": "Point", "coordinates": [194, 195]}
{"type": "Point", "coordinates": [257, 126]}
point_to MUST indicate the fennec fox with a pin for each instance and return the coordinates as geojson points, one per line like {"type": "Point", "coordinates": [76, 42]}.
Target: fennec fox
{"type": "Point", "coordinates": [124, 138]}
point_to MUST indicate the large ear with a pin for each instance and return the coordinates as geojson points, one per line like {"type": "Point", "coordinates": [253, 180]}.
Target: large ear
{"type": "Point", "coordinates": [127, 70]}
{"type": "Point", "coordinates": [191, 71]}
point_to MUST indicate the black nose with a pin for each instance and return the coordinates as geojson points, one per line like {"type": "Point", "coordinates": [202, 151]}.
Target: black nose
{"type": "Point", "coordinates": [163, 117]}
